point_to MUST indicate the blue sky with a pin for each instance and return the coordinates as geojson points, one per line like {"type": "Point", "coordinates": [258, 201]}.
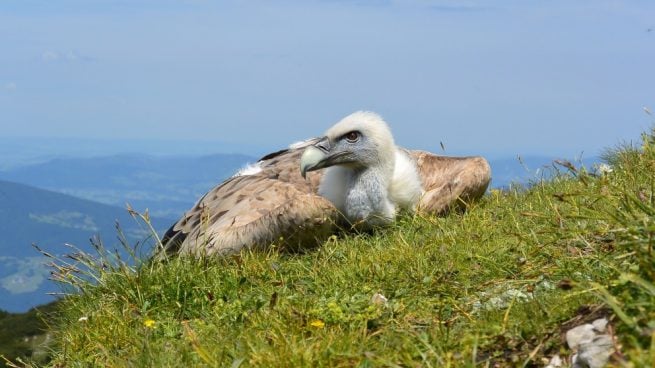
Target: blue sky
{"type": "Point", "coordinates": [488, 77]}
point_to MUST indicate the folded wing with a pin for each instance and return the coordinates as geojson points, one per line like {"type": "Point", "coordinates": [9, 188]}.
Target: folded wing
{"type": "Point", "coordinates": [268, 204]}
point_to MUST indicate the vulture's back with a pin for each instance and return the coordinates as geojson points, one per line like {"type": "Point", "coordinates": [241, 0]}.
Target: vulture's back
{"type": "Point", "coordinates": [272, 204]}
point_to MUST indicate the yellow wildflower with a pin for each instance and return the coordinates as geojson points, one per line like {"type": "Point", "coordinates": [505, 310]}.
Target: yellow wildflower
{"type": "Point", "coordinates": [317, 323]}
{"type": "Point", "coordinates": [150, 323]}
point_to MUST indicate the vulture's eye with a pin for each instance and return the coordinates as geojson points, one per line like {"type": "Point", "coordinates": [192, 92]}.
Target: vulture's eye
{"type": "Point", "coordinates": [352, 137]}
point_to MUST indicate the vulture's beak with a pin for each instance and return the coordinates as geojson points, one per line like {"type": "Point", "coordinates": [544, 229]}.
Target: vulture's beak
{"type": "Point", "coordinates": [318, 156]}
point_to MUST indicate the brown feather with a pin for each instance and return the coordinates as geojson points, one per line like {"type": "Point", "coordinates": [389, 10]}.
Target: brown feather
{"type": "Point", "coordinates": [275, 205]}
{"type": "Point", "coordinates": [450, 182]}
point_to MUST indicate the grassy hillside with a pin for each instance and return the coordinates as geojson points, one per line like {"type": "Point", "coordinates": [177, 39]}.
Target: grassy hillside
{"type": "Point", "coordinates": [496, 285]}
{"type": "Point", "coordinates": [24, 335]}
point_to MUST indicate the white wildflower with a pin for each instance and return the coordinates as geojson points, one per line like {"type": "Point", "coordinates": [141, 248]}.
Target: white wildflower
{"type": "Point", "coordinates": [604, 169]}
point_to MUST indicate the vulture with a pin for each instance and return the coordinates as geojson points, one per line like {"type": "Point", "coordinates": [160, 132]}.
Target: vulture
{"type": "Point", "coordinates": [354, 177]}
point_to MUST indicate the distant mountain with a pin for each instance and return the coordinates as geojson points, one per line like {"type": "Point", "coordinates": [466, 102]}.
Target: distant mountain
{"type": "Point", "coordinates": [21, 151]}
{"type": "Point", "coordinates": [167, 186]}
{"type": "Point", "coordinates": [30, 215]}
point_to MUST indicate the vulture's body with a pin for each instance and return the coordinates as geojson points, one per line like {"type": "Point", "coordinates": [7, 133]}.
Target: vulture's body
{"type": "Point", "coordinates": [284, 199]}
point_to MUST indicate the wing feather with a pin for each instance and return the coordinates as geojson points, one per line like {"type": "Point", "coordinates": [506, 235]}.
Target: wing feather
{"type": "Point", "coordinates": [253, 211]}
{"type": "Point", "coordinates": [450, 181]}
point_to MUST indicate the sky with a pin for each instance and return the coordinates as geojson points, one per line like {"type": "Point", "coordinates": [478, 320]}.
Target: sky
{"type": "Point", "coordinates": [488, 77]}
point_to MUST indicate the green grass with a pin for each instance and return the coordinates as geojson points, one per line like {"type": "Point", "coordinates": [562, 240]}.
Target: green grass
{"type": "Point", "coordinates": [24, 335]}
{"type": "Point", "coordinates": [498, 284]}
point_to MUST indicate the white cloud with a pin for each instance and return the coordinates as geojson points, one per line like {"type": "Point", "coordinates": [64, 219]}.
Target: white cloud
{"type": "Point", "coordinates": [64, 56]}
{"type": "Point", "coordinates": [50, 56]}
{"type": "Point", "coordinates": [71, 56]}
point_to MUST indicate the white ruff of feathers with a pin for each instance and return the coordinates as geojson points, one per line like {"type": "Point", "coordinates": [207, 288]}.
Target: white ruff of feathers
{"type": "Point", "coordinates": [396, 179]}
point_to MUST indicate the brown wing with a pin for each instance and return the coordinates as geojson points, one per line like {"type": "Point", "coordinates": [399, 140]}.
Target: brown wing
{"type": "Point", "coordinates": [275, 205]}
{"type": "Point", "coordinates": [450, 182]}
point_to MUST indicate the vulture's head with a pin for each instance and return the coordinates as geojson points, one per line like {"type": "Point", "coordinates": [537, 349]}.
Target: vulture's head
{"type": "Point", "coordinates": [359, 141]}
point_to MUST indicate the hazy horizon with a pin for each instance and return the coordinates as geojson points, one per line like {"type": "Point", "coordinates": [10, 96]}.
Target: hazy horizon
{"type": "Point", "coordinates": [21, 151]}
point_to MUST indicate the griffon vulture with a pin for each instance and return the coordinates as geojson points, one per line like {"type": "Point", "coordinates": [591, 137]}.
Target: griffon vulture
{"type": "Point", "coordinates": [286, 199]}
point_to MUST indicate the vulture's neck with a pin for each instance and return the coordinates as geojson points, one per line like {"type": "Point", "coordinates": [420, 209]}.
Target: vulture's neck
{"type": "Point", "coordinates": [361, 194]}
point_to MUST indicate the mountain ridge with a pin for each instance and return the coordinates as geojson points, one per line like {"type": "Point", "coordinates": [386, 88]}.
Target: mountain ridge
{"type": "Point", "coordinates": [167, 185]}
{"type": "Point", "coordinates": [30, 215]}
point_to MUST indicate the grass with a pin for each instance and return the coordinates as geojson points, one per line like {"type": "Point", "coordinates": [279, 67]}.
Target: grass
{"type": "Point", "coordinates": [22, 335]}
{"type": "Point", "coordinates": [495, 286]}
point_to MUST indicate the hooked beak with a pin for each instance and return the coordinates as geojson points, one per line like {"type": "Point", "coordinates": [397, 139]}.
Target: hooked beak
{"type": "Point", "coordinates": [318, 156]}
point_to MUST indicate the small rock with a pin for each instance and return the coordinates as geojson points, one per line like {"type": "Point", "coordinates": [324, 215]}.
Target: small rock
{"type": "Point", "coordinates": [593, 346]}
{"type": "Point", "coordinates": [546, 285]}
{"type": "Point", "coordinates": [600, 324]}
{"type": "Point", "coordinates": [555, 362]}
{"type": "Point", "coordinates": [580, 335]}
{"type": "Point", "coordinates": [495, 303]}
{"type": "Point", "coordinates": [517, 294]}
{"type": "Point", "coordinates": [505, 299]}
{"type": "Point", "coordinates": [594, 354]}
{"type": "Point", "coordinates": [379, 299]}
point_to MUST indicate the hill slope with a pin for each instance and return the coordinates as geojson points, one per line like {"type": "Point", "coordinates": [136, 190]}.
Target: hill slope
{"type": "Point", "coordinates": [24, 335]}
{"type": "Point", "coordinates": [29, 215]}
{"type": "Point", "coordinates": [496, 286]}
